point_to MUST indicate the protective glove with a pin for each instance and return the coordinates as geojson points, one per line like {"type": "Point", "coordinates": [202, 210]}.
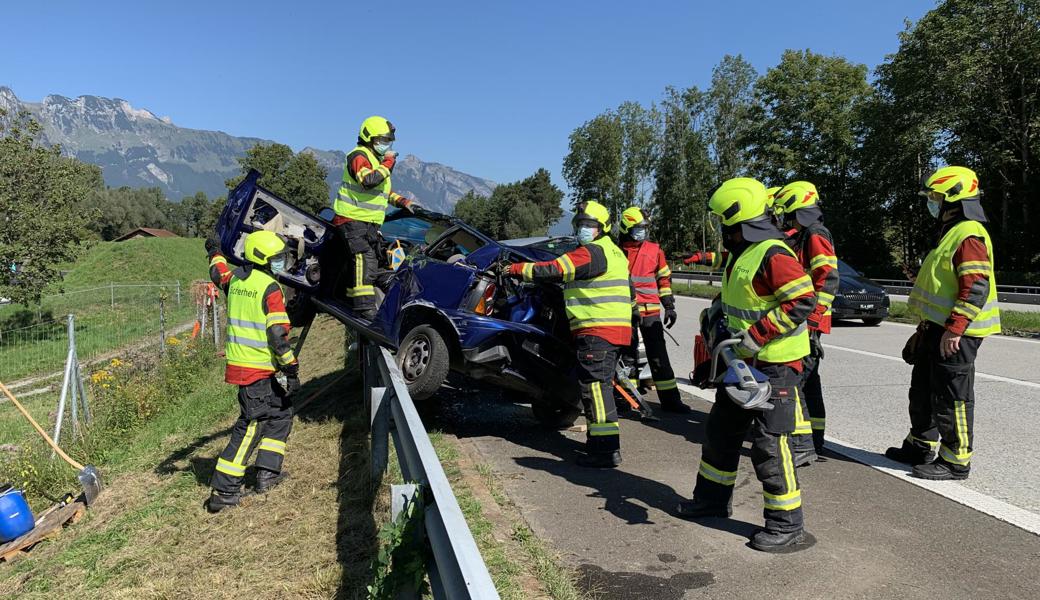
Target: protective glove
{"type": "Point", "coordinates": [212, 246]}
{"type": "Point", "coordinates": [670, 317]}
{"type": "Point", "coordinates": [410, 205]}
{"type": "Point", "coordinates": [514, 270]}
{"type": "Point", "coordinates": [696, 257]}
{"type": "Point", "coordinates": [815, 344]}
{"type": "Point", "coordinates": [747, 346]}
{"type": "Point", "coordinates": [292, 378]}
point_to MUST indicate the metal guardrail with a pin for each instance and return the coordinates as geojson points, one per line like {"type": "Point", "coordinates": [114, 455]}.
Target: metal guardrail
{"type": "Point", "coordinates": [456, 569]}
{"type": "Point", "coordinates": [1016, 294]}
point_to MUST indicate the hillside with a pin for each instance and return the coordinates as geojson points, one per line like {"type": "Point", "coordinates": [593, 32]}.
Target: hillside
{"type": "Point", "coordinates": [135, 147]}
{"type": "Point", "coordinates": [140, 260]}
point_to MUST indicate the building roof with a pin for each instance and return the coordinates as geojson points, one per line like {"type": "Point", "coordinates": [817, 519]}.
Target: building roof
{"type": "Point", "coordinates": [146, 232]}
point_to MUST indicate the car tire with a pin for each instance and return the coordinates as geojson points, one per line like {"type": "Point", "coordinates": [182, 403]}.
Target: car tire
{"type": "Point", "coordinates": [553, 414]}
{"type": "Point", "coordinates": [873, 321]}
{"type": "Point", "coordinates": [424, 361]}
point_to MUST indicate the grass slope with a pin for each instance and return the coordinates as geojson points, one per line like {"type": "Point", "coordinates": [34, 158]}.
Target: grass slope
{"type": "Point", "coordinates": [143, 260]}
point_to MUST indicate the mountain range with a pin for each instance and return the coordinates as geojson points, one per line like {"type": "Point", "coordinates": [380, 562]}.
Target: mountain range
{"type": "Point", "coordinates": [135, 147]}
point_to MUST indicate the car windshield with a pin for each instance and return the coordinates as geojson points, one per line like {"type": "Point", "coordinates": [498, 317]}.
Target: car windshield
{"type": "Point", "coordinates": [412, 229]}
{"type": "Point", "coordinates": [845, 269]}
{"type": "Point", "coordinates": [555, 246]}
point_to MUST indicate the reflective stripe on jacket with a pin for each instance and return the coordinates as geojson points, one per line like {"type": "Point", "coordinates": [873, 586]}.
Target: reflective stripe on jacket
{"type": "Point", "coordinates": [744, 307]}
{"type": "Point", "coordinates": [605, 300]}
{"type": "Point", "coordinates": [935, 293]}
{"type": "Point", "coordinates": [357, 203]}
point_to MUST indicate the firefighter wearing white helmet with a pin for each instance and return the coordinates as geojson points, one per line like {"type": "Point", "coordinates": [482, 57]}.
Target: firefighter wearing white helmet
{"type": "Point", "coordinates": [257, 349]}
{"type": "Point", "coordinates": [955, 294]}
{"type": "Point", "coordinates": [766, 298]}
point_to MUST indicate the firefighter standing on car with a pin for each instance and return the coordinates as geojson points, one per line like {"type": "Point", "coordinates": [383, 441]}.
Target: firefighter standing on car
{"type": "Point", "coordinates": [955, 293]}
{"type": "Point", "coordinates": [360, 209]}
{"type": "Point", "coordinates": [257, 349]}
{"type": "Point", "coordinates": [652, 280]}
{"type": "Point", "coordinates": [766, 298]}
{"type": "Point", "coordinates": [814, 245]}
{"type": "Point", "coordinates": [598, 300]}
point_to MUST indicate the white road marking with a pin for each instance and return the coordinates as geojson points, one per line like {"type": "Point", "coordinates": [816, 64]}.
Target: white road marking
{"type": "Point", "coordinates": [1000, 378]}
{"type": "Point", "coordinates": [998, 509]}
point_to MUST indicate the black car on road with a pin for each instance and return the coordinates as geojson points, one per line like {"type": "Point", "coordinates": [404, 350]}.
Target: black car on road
{"type": "Point", "coordinates": [859, 298]}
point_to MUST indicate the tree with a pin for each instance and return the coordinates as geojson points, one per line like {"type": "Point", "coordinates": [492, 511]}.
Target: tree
{"type": "Point", "coordinates": [592, 167]}
{"type": "Point", "coordinates": [515, 210]}
{"type": "Point", "coordinates": [808, 126]}
{"type": "Point", "coordinates": [296, 178]}
{"type": "Point", "coordinates": [44, 221]}
{"type": "Point", "coordinates": [729, 118]}
{"type": "Point", "coordinates": [119, 210]}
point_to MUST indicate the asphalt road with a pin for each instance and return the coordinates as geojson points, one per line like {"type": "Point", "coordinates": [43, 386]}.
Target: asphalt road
{"type": "Point", "coordinates": [876, 536]}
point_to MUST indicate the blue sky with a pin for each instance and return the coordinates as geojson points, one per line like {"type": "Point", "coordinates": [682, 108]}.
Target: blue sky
{"type": "Point", "coordinates": [491, 87]}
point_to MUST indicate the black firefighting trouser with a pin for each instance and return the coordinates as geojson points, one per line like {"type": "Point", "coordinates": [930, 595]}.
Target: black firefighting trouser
{"type": "Point", "coordinates": [597, 359]}
{"type": "Point", "coordinates": [652, 330]}
{"type": "Point", "coordinates": [809, 430]}
{"type": "Point", "coordinates": [360, 265]}
{"type": "Point", "coordinates": [771, 451]}
{"type": "Point", "coordinates": [942, 398]}
{"type": "Point", "coordinates": [264, 422]}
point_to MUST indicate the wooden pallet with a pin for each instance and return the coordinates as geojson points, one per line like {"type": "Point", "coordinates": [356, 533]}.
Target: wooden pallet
{"type": "Point", "coordinates": [49, 524]}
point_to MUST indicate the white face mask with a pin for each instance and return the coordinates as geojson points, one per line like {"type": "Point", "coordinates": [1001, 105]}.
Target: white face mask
{"type": "Point", "coordinates": [639, 233]}
{"type": "Point", "coordinates": [278, 265]}
{"type": "Point", "coordinates": [382, 148]}
{"type": "Point", "coordinates": [934, 208]}
{"type": "Point", "coordinates": [586, 234]}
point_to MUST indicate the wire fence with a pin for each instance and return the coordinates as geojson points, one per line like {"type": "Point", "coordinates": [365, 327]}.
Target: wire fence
{"type": "Point", "coordinates": [34, 342]}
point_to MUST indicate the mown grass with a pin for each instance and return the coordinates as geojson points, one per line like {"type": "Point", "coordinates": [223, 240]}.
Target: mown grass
{"type": "Point", "coordinates": [1012, 322]}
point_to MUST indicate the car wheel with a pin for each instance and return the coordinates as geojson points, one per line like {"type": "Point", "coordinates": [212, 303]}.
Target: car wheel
{"type": "Point", "coordinates": [424, 361]}
{"type": "Point", "coordinates": [554, 415]}
{"type": "Point", "coordinates": [873, 321]}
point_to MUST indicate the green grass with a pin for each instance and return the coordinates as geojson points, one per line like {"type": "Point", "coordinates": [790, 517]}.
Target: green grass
{"type": "Point", "coordinates": [143, 260]}
{"type": "Point", "coordinates": [1017, 323]}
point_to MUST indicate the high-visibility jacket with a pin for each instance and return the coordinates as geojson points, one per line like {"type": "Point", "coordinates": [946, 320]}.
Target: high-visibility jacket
{"type": "Point", "coordinates": [651, 276]}
{"type": "Point", "coordinates": [744, 307]}
{"type": "Point", "coordinates": [357, 203]}
{"type": "Point", "coordinates": [247, 340]}
{"type": "Point", "coordinates": [603, 301]}
{"type": "Point", "coordinates": [935, 293]}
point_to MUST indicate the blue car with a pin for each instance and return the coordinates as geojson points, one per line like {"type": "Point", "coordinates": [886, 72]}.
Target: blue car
{"type": "Point", "coordinates": [444, 308]}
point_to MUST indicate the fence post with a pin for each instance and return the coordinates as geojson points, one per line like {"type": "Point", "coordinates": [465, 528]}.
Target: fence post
{"type": "Point", "coordinates": [178, 292]}
{"type": "Point", "coordinates": [112, 292]}
{"type": "Point", "coordinates": [162, 325]}
{"type": "Point", "coordinates": [64, 384]}
{"type": "Point", "coordinates": [216, 319]}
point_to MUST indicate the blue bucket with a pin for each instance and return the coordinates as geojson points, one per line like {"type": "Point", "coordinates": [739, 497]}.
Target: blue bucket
{"type": "Point", "coordinates": [16, 518]}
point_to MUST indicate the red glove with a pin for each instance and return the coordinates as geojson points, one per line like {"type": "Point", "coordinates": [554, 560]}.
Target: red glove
{"type": "Point", "coordinates": [390, 160]}
{"type": "Point", "coordinates": [515, 270]}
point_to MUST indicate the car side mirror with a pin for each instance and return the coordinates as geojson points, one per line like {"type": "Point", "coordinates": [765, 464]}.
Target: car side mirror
{"type": "Point", "coordinates": [327, 214]}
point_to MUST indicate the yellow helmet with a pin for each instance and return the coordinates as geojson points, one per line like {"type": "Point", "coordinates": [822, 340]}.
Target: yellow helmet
{"type": "Point", "coordinates": [376, 127]}
{"type": "Point", "coordinates": [631, 218]}
{"type": "Point", "coordinates": [953, 183]}
{"type": "Point", "coordinates": [738, 200]}
{"type": "Point", "coordinates": [590, 210]}
{"type": "Point", "coordinates": [796, 196]}
{"type": "Point", "coordinates": [263, 245]}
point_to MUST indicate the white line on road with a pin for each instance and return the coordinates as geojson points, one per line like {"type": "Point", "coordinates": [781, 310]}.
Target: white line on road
{"type": "Point", "coordinates": [998, 509]}
{"type": "Point", "coordinates": [1000, 378]}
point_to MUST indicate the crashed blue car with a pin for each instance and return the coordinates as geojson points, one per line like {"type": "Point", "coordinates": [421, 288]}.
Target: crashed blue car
{"type": "Point", "coordinates": [444, 308]}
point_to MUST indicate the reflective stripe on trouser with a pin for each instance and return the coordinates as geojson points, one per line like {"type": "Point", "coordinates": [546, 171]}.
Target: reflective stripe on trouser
{"type": "Point", "coordinates": [652, 330]}
{"type": "Point", "coordinates": [771, 452]}
{"type": "Point", "coordinates": [264, 424]}
{"type": "Point", "coordinates": [814, 410]}
{"type": "Point", "coordinates": [360, 265]}
{"type": "Point", "coordinates": [942, 398]}
{"type": "Point", "coordinates": [596, 361]}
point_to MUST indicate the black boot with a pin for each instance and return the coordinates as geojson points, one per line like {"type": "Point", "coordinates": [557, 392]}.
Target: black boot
{"type": "Point", "coordinates": [218, 501]}
{"type": "Point", "coordinates": [775, 541]}
{"type": "Point", "coordinates": [265, 480]}
{"type": "Point", "coordinates": [818, 441]}
{"type": "Point", "coordinates": [698, 509]}
{"type": "Point", "coordinates": [676, 407]}
{"type": "Point", "coordinates": [940, 470]}
{"type": "Point", "coordinates": [909, 455]}
{"type": "Point", "coordinates": [600, 460]}
{"type": "Point", "coordinates": [804, 458]}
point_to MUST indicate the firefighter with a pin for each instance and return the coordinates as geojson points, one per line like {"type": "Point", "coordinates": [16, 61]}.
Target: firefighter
{"type": "Point", "coordinates": [652, 280]}
{"type": "Point", "coordinates": [798, 202]}
{"type": "Point", "coordinates": [599, 304]}
{"type": "Point", "coordinates": [766, 298]}
{"type": "Point", "coordinates": [955, 294]}
{"type": "Point", "coordinates": [360, 209]}
{"type": "Point", "coordinates": [257, 349]}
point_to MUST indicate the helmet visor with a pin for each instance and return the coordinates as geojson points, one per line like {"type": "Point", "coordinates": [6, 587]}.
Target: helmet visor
{"type": "Point", "coordinates": [582, 221]}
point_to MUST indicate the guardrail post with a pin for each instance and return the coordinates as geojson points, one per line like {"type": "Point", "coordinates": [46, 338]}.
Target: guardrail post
{"type": "Point", "coordinates": [379, 399]}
